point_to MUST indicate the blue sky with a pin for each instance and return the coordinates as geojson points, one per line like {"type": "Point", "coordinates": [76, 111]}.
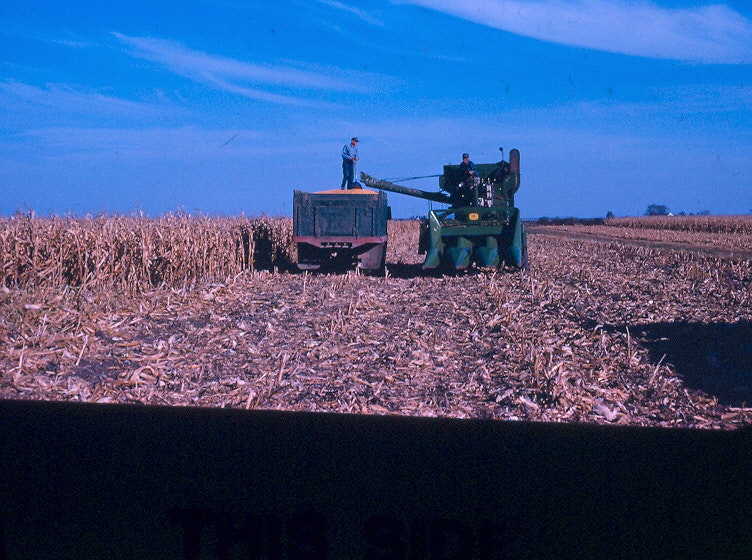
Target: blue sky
{"type": "Point", "coordinates": [226, 107]}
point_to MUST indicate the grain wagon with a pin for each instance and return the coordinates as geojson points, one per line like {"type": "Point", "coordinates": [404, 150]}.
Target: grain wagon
{"type": "Point", "coordinates": [339, 229]}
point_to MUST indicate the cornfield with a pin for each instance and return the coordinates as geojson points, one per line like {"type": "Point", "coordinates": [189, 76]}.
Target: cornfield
{"type": "Point", "coordinates": [132, 253]}
{"type": "Point", "coordinates": [731, 225]}
{"type": "Point", "coordinates": [198, 311]}
{"type": "Point", "coordinates": [727, 235]}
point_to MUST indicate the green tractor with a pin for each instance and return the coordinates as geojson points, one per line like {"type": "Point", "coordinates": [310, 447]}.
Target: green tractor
{"type": "Point", "coordinates": [481, 227]}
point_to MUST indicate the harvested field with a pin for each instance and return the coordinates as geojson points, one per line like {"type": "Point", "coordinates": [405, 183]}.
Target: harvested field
{"type": "Point", "coordinates": [726, 236]}
{"type": "Point", "coordinates": [595, 331]}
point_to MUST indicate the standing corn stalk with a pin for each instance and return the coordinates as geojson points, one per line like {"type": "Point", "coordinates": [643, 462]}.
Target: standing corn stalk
{"type": "Point", "coordinates": [137, 252]}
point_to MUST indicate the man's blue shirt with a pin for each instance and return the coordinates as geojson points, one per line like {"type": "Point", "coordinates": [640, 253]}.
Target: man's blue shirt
{"type": "Point", "coordinates": [349, 151]}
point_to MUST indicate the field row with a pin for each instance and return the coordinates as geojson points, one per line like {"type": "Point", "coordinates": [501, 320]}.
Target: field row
{"type": "Point", "coordinates": [723, 235]}
{"type": "Point", "coordinates": [730, 225]}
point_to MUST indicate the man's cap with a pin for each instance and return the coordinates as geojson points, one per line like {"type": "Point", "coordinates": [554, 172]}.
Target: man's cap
{"type": "Point", "coordinates": [465, 156]}
{"type": "Point", "coordinates": [355, 139]}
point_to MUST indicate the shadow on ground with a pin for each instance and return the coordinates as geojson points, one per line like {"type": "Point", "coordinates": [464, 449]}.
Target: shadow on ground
{"type": "Point", "coordinates": [712, 357]}
{"type": "Point", "coordinates": [393, 270]}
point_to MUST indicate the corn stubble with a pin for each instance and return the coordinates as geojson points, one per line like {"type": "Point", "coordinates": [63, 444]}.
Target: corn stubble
{"type": "Point", "coordinates": [731, 235]}
{"type": "Point", "coordinates": [202, 311]}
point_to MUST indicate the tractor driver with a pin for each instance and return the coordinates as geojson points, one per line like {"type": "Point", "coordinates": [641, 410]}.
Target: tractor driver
{"type": "Point", "coordinates": [470, 178]}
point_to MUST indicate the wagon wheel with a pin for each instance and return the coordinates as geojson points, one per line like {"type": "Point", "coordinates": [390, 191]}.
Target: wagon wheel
{"type": "Point", "coordinates": [309, 257]}
{"type": "Point", "coordinates": [374, 259]}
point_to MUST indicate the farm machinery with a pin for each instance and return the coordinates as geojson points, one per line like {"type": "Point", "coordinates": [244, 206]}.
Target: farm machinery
{"type": "Point", "coordinates": [481, 226]}
{"type": "Point", "coordinates": [338, 229]}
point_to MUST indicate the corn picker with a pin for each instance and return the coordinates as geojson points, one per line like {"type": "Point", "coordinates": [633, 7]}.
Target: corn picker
{"type": "Point", "coordinates": [481, 225]}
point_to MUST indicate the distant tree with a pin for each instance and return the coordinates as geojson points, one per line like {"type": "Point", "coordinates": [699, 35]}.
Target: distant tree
{"type": "Point", "coordinates": [704, 213]}
{"type": "Point", "coordinates": [657, 210]}
{"type": "Point", "coordinates": [609, 215]}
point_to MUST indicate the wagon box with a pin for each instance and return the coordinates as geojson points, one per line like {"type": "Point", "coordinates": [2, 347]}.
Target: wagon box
{"type": "Point", "coordinates": [340, 228]}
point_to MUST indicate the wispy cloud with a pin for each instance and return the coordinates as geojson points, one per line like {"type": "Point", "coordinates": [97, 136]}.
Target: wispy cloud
{"type": "Point", "coordinates": [712, 34]}
{"type": "Point", "coordinates": [357, 12]}
{"type": "Point", "coordinates": [72, 43]}
{"type": "Point", "coordinates": [187, 143]}
{"type": "Point", "coordinates": [281, 84]}
{"type": "Point", "coordinates": [60, 100]}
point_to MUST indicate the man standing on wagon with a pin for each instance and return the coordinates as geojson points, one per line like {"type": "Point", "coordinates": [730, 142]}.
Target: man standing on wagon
{"type": "Point", "coordinates": [349, 157]}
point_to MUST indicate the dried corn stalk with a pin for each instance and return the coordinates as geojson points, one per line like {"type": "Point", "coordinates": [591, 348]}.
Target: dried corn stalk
{"type": "Point", "coordinates": [592, 332]}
